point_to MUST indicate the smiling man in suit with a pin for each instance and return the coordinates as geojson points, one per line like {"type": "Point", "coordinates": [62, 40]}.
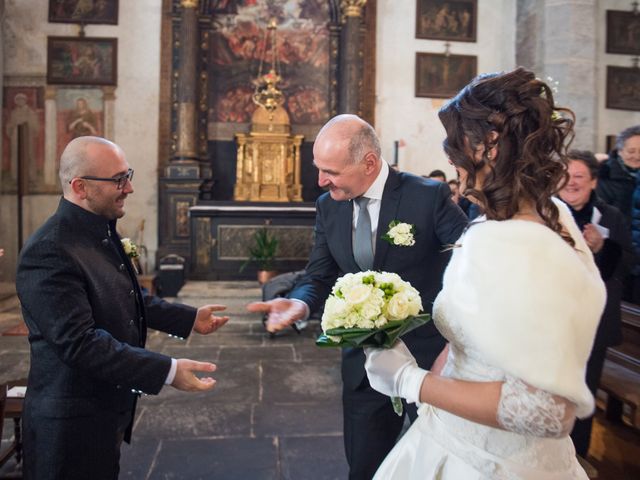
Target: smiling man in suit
{"type": "Point", "coordinates": [364, 196]}
{"type": "Point", "coordinates": [87, 320]}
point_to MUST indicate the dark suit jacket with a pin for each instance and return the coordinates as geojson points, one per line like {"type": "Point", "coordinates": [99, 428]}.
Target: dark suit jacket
{"type": "Point", "coordinates": [438, 222]}
{"type": "Point", "coordinates": [88, 319]}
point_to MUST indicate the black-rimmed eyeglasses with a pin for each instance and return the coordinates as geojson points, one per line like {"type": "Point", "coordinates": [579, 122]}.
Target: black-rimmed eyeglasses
{"type": "Point", "coordinates": [120, 180]}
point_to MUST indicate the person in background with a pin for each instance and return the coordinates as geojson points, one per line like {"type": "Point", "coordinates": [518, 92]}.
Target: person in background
{"type": "Point", "coordinates": [438, 176]}
{"type": "Point", "coordinates": [454, 186]}
{"type": "Point", "coordinates": [470, 209]}
{"type": "Point", "coordinates": [520, 303]}
{"type": "Point", "coordinates": [607, 235]}
{"type": "Point", "coordinates": [617, 175]}
{"type": "Point", "coordinates": [617, 179]}
{"type": "Point", "coordinates": [87, 319]}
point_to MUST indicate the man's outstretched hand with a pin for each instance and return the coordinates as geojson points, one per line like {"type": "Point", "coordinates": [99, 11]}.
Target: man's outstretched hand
{"type": "Point", "coordinates": [206, 322]}
{"type": "Point", "coordinates": [282, 312]}
{"type": "Point", "coordinates": [186, 379]}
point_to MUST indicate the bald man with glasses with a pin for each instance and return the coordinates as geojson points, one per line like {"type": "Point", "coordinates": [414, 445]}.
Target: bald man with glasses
{"type": "Point", "coordinates": [88, 319]}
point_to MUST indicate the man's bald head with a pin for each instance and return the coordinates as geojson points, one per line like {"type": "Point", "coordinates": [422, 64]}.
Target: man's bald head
{"type": "Point", "coordinates": [80, 157]}
{"type": "Point", "coordinates": [357, 136]}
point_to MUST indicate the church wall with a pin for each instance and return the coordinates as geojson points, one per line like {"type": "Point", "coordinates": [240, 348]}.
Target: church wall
{"type": "Point", "coordinates": [610, 121]}
{"type": "Point", "coordinates": [135, 109]}
{"type": "Point", "coordinates": [400, 115]}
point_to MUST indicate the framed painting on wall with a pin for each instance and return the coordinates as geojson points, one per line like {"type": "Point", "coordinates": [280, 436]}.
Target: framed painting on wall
{"type": "Point", "coordinates": [83, 11]}
{"type": "Point", "coordinates": [623, 32]}
{"type": "Point", "coordinates": [79, 112]}
{"type": "Point", "coordinates": [441, 75]}
{"type": "Point", "coordinates": [623, 88]}
{"type": "Point", "coordinates": [23, 107]}
{"type": "Point", "coordinates": [454, 20]}
{"type": "Point", "coordinates": [82, 61]}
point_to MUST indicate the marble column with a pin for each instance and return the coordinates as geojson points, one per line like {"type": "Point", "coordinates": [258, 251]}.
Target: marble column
{"type": "Point", "coordinates": [109, 112]}
{"type": "Point", "coordinates": [50, 135]}
{"type": "Point", "coordinates": [350, 71]}
{"type": "Point", "coordinates": [179, 188]}
{"type": "Point", "coordinates": [187, 128]}
{"type": "Point", "coordinates": [557, 39]}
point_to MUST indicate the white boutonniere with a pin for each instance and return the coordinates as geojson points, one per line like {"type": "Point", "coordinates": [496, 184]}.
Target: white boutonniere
{"type": "Point", "coordinates": [400, 234]}
{"type": "Point", "coordinates": [131, 249]}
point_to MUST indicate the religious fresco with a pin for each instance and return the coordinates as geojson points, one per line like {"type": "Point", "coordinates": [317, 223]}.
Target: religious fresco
{"type": "Point", "coordinates": [237, 46]}
{"type": "Point", "coordinates": [80, 112]}
{"type": "Point", "coordinates": [23, 106]}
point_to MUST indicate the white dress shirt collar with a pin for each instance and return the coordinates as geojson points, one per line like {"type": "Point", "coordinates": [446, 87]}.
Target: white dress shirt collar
{"type": "Point", "coordinates": [377, 187]}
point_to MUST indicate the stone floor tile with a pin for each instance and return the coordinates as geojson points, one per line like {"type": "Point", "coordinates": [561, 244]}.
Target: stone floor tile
{"type": "Point", "coordinates": [137, 458]}
{"type": "Point", "coordinates": [252, 353]}
{"type": "Point", "coordinates": [298, 419]}
{"type": "Point", "coordinates": [194, 417]}
{"type": "Point", "coordinates": [201, 353]}
{"type": "Point", "coordinates": [228, 339]}
{"type": "Point", "coordinates": [225, 459]}
{"type": "Point", "coordinates": [313, 458]}
{"type": "Point", "coordinates": [300, 382]}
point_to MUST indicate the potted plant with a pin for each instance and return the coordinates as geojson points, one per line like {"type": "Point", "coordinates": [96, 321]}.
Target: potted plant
{"type": "Point", "coordinates": [263, 253]}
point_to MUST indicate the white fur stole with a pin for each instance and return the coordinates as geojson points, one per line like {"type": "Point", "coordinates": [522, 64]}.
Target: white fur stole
{"type": "Point", "coordinates": [527, 302]}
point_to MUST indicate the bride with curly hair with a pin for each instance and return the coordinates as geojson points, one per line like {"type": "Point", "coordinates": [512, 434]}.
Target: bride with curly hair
{"type": "Point", "coordinates": [520, 302]}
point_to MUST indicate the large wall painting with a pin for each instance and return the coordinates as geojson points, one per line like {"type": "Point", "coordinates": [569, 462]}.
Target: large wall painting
{"type": "Point", "coordinates": [237, 45]}
{"type": "Point", "coordinates": [80, 112]}
{"type": "Point", "coordinates": [23, 106]}
{"type": "Point", "coordinates": [83, 11]}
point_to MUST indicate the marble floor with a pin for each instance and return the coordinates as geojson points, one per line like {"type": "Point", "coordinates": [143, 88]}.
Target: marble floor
{"type": "Point", "coordinates": [275, 412]}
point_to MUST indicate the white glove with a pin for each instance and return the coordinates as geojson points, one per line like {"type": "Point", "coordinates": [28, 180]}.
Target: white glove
{"type": "Point", "coordinates": [394, 371]}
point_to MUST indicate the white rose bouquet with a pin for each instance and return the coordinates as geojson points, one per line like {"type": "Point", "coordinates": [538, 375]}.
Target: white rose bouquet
{"type": "Point", "coordinates": [370, 309]}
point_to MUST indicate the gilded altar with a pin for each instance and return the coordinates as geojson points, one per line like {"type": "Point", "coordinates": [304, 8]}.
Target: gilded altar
{"type": "Point", "coordinates": [268, 161]}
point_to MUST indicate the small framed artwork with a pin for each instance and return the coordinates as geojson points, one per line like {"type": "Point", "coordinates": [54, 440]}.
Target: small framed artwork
{"type": "Point", "coordinates": [610, 142]}
{"type": "Point", "coordinates": [82, 61]}
{"type": "Point", "coordinates": [623, 88]}
{"type": "Point", "coordinates": [82, 11]}
{"type": "Point", "coordinates": [443, 76]}
{"type": "Point", "coordinates": [454, 20]}
{"type": "Point", "coordinates": [623, 32]}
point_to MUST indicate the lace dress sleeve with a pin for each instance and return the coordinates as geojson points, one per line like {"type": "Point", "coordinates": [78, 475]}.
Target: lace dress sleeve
{"type": "Point", "coordinates": [530, 411]}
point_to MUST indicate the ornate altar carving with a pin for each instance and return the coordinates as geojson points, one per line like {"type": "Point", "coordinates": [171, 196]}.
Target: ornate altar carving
{"type": "Point", "coordinates": [268, 162]}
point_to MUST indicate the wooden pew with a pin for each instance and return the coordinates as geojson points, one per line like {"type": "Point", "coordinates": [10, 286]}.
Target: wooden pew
{"type": "Point", "coordinates": [621, 374]}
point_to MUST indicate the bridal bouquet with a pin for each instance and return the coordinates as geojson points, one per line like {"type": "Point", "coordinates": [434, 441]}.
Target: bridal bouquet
{"type": "Point", "coordinates": [370, 309]}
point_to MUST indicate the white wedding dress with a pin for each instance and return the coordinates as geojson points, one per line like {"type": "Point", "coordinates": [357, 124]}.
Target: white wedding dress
{"type": "Point", "coordinates": [518, 305]}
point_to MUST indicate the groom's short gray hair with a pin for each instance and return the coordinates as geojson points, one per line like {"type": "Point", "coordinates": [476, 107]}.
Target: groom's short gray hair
{"type": "Point", "coordinates": [362, 136]}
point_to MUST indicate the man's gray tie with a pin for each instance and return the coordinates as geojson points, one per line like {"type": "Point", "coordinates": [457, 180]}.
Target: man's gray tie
{"type": "Point", "coordinates": [362, 243]}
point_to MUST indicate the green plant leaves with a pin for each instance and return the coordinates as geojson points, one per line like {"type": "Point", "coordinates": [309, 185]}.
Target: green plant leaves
{"type": "Point", "coordinates": [383, 337]}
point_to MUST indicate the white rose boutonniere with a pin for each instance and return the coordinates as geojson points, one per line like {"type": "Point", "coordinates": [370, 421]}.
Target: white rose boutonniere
{"type": "Point", "coordinates": [130, 248]}
{"type": "Point", "coordinates": [400, 234]}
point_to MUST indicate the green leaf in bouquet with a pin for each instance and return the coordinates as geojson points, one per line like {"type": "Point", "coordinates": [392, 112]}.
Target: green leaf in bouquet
{"type": "Point", "coordinates": [383, 337]}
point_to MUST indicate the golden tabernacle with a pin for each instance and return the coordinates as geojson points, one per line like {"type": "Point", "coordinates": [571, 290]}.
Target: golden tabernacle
{"type": "Point", "coordinates": [268, 163]}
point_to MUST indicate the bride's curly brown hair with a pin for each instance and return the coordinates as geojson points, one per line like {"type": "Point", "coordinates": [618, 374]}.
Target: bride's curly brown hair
{"type": "Point", "coordinates": [514, 112]}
